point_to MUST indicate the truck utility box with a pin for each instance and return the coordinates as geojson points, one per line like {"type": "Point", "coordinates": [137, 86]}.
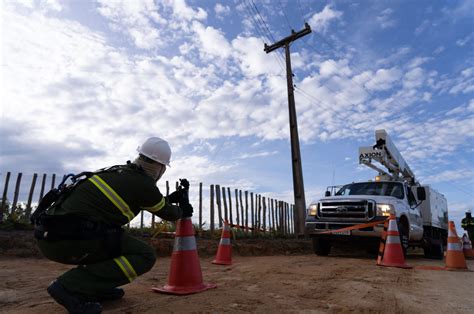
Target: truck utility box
{"type": "Point", "coordinates": [434, 210]}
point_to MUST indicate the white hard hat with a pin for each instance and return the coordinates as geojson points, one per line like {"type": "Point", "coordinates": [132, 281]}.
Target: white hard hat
{"type": "Point", "coordinates": [156, 149]}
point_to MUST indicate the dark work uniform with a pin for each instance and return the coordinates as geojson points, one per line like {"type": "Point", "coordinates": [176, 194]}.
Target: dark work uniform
{"type": "Point", "coordinates": [468, 224]}
{"type": "Point", "coordinates": [112, 198]}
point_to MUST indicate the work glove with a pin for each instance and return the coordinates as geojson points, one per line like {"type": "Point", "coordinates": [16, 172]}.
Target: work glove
{"type": "Point", "coordinates": [187, 210]}
{"type": "Point", "coordinates": [176, 196]}
{"type": "Point", "coordinates": [184, 183]}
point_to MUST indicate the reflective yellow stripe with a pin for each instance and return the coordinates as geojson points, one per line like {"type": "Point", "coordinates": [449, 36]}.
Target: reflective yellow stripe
{"type": "Point", "coordinates": [126, 267]}
{"type": "Point", "coordinates": [112, 196]}
{"type": "Point", "coordinates": [156, 207]}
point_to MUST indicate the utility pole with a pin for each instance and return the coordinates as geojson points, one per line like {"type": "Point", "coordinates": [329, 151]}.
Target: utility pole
{"type": "Point", "coordinates": [298, 185]}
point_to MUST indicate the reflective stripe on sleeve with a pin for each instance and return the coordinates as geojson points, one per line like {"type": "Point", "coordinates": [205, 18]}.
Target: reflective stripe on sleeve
{"type": "Point", "coordinates": [126, 267]}
{"type": "Point", "coordinates": [156, 207]}
{"type": "Point", "coordinates": [112, 196]}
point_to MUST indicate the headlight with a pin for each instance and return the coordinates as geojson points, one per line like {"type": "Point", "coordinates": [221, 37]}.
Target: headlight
{"type": "Point", "coordinates": [385, 209]}
{"type": "Point", "coordinates": [313, 210]}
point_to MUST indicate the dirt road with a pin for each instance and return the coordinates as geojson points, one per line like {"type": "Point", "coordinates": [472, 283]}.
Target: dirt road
{"type": "Point", "coordinates": [303, 283]}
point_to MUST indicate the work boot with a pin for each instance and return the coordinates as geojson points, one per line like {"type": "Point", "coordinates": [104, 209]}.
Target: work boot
{"type": "Point", "coordinates": [74, 303]}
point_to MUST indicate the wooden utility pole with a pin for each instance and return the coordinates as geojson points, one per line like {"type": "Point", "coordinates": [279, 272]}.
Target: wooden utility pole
{"type": "Point", "coordinates": [298, 185]}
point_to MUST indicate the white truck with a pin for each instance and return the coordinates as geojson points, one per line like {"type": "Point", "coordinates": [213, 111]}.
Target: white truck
{"type": "Point", "coordinates": [421, 211]}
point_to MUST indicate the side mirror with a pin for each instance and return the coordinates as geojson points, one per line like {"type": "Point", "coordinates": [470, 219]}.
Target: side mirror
{"type": "Point", "coordinates": [421, 193]}
{"type": "Point", "coordinates": [327, 193]}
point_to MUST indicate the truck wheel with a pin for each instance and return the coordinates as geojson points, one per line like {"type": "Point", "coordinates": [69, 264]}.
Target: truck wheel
{"type": "Point", "coordinates": [321, 247]}
{"type": "Point", "coordinates": [434, 251]}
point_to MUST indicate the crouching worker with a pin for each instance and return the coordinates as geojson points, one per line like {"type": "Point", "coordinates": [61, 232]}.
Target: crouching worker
{"type": "Point", "coordinates": [81, 224]}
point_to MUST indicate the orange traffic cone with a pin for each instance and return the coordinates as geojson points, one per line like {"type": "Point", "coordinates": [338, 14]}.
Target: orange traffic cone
{"type": "Point", "coordinates": [454, 257]}
{"type": "Point", "coordinates": [185, 275]}
{"type": "Point", "coordinates": [224, 251]}
{"type": "Point", "coordinates": [393, 253]}
{"type": "Point", "coordinates": [467, 247]}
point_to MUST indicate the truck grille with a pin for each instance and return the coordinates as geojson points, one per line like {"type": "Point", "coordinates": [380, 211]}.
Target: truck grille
{"type": "Point", "coordinates": [358, 210]}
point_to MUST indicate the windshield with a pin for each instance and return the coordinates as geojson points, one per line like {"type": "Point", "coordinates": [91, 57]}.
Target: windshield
{"type": "Point", "coordinates": [394, 189]}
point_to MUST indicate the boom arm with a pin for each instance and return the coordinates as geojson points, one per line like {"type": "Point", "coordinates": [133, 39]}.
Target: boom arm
{"type": "Point", "coordinates": [387, 154]}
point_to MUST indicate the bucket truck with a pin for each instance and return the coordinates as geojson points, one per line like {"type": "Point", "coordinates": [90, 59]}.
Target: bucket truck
{"type": "Point", "coordinates": [421, 211]}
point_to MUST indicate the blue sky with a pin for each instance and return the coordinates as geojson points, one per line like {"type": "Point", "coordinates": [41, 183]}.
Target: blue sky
{"type": "Point", "coordinates": [84, 82]}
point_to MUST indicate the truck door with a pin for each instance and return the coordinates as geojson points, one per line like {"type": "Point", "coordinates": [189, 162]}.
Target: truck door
{"type": "Point", "coordinates": [416, 221]}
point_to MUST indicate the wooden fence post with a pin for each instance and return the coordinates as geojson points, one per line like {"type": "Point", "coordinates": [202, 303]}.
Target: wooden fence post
{"type": "Point", "coordinates": [252, 212]}
{"type": "Point", "coordinates": [224, 200]}
{"type": "Point", "coordinates": [4, 196]}
{"type": "Point", "coordinates": [230, 206]}
{"type": "Point", "coordinates": [43, 182]}
{"type": "Point", "coordinates": [167, 188]}
{"type": "Point", "coordinates": [16, 193]}
{"type": "Point", "coordinates": [237, 206]}
{"type": "Point", "coordinates": [200, 206]}
{"type": "Point", "coordinates": [246, 210]}
{"type": "Point", "coordinates": [141, 219]}
{"type": "Point", "coordinates": [53, 181]}
{"type": "Point", "coordinates": [259, 215]}
{"type": "Point", "coordinates": [218, 201]}
{"type": "Point", "coordinates": [30, 196]}
{"type": "Point", "coordinates": [241, 208]}
{"type": "Point", "coordinates": [264, 203]}
{"type": "Point", "coordinates": [211, 209]}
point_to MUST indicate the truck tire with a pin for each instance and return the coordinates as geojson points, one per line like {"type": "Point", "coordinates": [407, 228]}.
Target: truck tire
{"type": "Point", "coordinates": [321, 247]}
{"type": "Point", "coordinates": [434, 251]}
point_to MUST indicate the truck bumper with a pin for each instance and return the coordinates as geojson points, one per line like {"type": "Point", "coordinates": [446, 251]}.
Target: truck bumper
{"type": "Point", "coordinates": [314, 228]}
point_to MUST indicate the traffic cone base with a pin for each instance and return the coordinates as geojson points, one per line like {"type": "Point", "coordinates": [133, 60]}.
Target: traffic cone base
{"type": "Point", "coordinates": [454, 257]}
{"type": "Point", "coordinates": [224, 251]}
{"type": "Point", "coordinates": [467, 248]}
{"type": "Point", "coordinates": [185, 276]}
{"type": "Point", "coordinates": [393, 252]}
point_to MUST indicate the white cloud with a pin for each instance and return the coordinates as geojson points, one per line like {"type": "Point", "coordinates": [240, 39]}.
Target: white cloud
{"type": "Point", "coordinates": [463, 41]}
{"type": "Point", "coordinates": [423, 26]}
{"type": "Point", "coordinates": [212, 40]}
{"type": "Point", "coordinates": [439, 50]}
{"type": "Point", "coordinates": [137, 19]}
{"type": "Point", "coordinates": [320, 21]}
{"type": "Point", "coordinates": [414, 78]}
{"type": "Point", "coordinates": [221, 10]}
{"type": "Point", "coordinates": [258, 154]}
{"type": "Point", "coordinates": [253, 60]}
{"type": "Point", "coordinates": [182, 10]}
{"type": "Point", "coordinates": [385, 20]}
{"type": "Point", "coordinates": [331, 67]}
{"type": "Point", "coordinates": [383, 79]}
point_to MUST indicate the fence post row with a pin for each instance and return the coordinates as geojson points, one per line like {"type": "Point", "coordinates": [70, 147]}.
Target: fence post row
{"type": "Point", "coordinates": [266, 214]}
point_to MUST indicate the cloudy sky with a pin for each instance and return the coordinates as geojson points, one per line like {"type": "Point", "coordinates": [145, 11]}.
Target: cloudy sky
{"type": "Point", "coordinates": [85, 82]}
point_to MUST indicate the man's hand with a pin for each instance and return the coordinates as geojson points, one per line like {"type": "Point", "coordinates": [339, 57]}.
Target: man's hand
{"type": "Point", "coordinates": [187, 210]}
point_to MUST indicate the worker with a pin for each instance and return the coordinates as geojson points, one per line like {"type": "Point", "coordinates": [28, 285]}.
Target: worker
{"type": "Point", "coordinates": [84, 227]}
{"type": "Point", "coordinates": [467, 223]}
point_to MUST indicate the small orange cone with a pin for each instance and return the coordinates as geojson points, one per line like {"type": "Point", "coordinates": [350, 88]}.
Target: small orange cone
{"type": "Point", "coordinates": [185, 276]}
{"type": "Point", "coordinates": [393, 253]}
{"type": "Point", "coordinates": [224, 251]}
{"type": "Point", "coordinates": [454, 257]}
{"type": "Point", "coordinates": [467, 247]}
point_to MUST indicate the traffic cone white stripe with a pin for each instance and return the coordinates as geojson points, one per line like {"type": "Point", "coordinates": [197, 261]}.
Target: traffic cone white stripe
{"type": "Point", "coordinates": [225, 241]}
{"type": "Point", "coordinates": [392, 240]}
{"type": "Point", "coordinates": [392, 225]}
{"type": "Point", "coordinates": [185, 243]}
{"type": "Point", "coordinates": [455, 246]}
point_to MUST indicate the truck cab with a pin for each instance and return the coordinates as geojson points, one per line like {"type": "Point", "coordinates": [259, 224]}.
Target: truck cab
{"type": "Point", "coordinates": [395, 191]}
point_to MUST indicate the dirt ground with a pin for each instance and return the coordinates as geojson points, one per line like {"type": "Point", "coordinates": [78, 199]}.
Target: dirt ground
{"type": "Point", "coordinates": [293, 283]}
